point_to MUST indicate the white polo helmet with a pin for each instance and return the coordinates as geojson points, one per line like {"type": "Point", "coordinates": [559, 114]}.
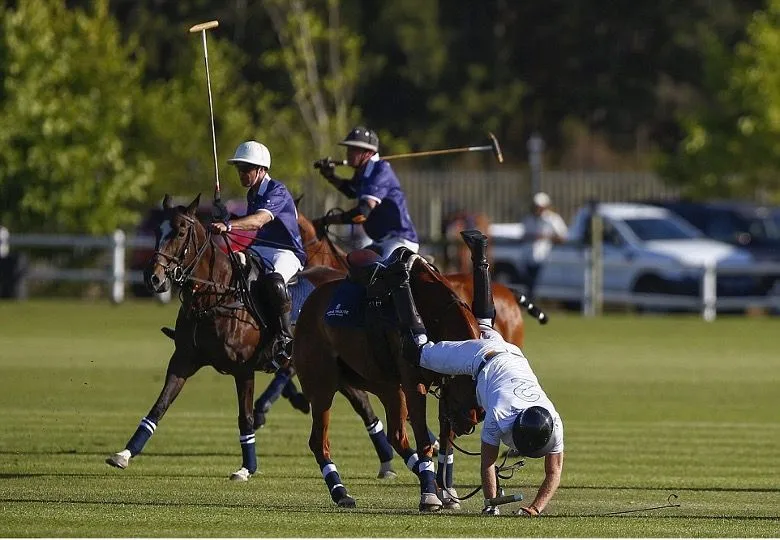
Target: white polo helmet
{"type": "Point", "coordinates": [252, 152]}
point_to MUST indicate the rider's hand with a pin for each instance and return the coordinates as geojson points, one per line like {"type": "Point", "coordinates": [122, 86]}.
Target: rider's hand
{"type": "Point", "coordinates": [320, 229]}
{"type": "Point", "coordinates": [220, 212]}
{"type": "Point", "coordinates": [491, 511]}
{"type": "Point", "coordinates": [219, 227]}
{"type": "Point", "coordinates": [327, 168]}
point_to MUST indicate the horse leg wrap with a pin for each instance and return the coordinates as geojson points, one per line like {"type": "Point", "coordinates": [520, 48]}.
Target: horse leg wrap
{"type": "Point", "coordinates": [142, 433]}
{"type": "Point", "coordinates": [336, 489]}
{"type": "Point", "coordinates": [425, 471]}
{"type": "Point", "coordinates": [382, 446]}
{"type": "Point", "coordinates": [248, 454]}
{"type": "Point", "coordinates": [445, 472]}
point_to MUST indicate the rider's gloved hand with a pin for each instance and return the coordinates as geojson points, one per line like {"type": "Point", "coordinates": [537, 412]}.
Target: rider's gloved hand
{"type": "Point", "coordinates": [327, 168]}
{"type": "Point", "coordinates": [220, 212]}
{"type": "Point", "coordinates": [491, 511]}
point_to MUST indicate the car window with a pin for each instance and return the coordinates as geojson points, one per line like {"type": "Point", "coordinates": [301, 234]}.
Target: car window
{"type": "Point", "coordinates": [648, 229]}
{"type": "Point", "coordinates": [725, 226]}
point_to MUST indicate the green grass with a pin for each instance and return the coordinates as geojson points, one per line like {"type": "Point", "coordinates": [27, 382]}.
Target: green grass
{"type": "Point", "coordinates": [651, 406]}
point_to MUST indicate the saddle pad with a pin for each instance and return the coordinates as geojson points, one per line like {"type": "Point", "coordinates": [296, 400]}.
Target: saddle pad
{"type": "Point", "coordinates": [299, 291]}
{"type": "Point", "coordinates": [347, 307]}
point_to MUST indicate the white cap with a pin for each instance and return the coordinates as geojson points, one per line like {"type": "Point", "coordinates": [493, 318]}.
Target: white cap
{"type": "Point", "coordinates": [252, 152]}
{"type": "Point", "coordinates": [542, 200]}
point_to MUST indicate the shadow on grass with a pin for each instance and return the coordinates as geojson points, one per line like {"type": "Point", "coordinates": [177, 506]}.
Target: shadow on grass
{"type": "Point", "coordinates": [370, 512]}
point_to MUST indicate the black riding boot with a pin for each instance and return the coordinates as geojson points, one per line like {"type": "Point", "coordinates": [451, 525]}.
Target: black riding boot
{"type": "Point", "coordinates": [413, 331]}
{"type": "Point", "coordinates": [281, 304]}
{"type": "Point", "coordinates": [482, 305]}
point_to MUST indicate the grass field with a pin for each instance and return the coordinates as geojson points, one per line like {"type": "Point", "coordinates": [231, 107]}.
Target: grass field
{"type": "Point", "coordinates": [652, 406]}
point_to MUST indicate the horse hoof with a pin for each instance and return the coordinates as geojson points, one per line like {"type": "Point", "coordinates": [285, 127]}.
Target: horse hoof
{"type": "Point", "coordinates": [241, 475]}
{"type": "Point", "coordinates": [300, 403]}
{"type": "Point", "coordinates": [259, 419]}
{"type": "Point", "coordinates": [449, 499]}
{"type": "Point", "coordinates": [118, 460]}
{"type": "Point", "coordinates": [429, 502]}
{"type": "Point", "coordinates": [435, 447]}
{"type": "Point", "coordinates": [386, 471]}
{"type": "Point", "coordinates": [346, 502]}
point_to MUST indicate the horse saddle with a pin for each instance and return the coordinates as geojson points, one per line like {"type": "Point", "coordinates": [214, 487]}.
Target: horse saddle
{"type": "Point", "coordinates": [365, 294]}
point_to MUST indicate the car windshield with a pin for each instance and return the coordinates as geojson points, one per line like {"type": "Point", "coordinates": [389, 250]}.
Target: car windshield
{"type": "Point", "coordinates": [648, 229]}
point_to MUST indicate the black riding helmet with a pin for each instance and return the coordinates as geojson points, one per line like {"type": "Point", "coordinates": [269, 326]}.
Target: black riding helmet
{"type": "Point", "coordinates": [532, 431]}
{"type": "Point", "coordinates": [362, 137]}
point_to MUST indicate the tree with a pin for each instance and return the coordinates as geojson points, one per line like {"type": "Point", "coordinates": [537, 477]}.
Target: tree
{"type": "Point", "coordinates": [71, 96]}
{"type": "Point", "coordinates": [730, 148]}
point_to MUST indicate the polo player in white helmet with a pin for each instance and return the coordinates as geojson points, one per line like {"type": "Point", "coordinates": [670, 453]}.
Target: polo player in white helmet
{"type": "Point", "coordinates": [272, 221]}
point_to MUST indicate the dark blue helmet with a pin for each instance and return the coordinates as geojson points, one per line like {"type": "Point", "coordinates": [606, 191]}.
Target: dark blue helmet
{"type": "Point", "coordinates": [532, 431]}
{"type": "Point", "coordinates": [362, 137]}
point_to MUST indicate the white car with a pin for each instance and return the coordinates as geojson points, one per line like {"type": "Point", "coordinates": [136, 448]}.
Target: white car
{"type": "Point", "coordinates": [646, 249]}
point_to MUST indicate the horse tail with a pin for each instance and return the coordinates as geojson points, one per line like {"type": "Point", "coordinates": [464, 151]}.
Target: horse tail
{"type": "Point", "coordinates": [532, 308]}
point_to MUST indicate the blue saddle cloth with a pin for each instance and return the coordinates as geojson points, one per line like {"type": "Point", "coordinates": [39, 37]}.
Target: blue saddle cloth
{"type": "Point", "coordinates": [299, 291]}
{"type": "Point", "coordinates": [347, 307]}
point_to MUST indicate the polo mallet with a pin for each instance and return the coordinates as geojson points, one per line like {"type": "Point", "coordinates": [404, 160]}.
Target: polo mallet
{"type": "Point", "coordinates": [202, 27]}
{"type": "Point", "coordinates": [492, 147]}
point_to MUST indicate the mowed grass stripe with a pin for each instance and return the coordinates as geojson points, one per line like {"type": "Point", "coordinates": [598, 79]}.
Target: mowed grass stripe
{"type": "Point", "coordinates": [652, 406]}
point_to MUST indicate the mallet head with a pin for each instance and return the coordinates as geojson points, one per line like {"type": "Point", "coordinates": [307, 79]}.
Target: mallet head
{"type": "Point", "coordinates": [496, 148]}
{"type": "Point", "coordinates": [204, 26]}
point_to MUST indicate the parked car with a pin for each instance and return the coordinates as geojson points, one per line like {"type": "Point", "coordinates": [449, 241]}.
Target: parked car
{"type": "Point", "coordinates": [748, 225]}
{"type": "Point", "coordinates": [646, 249]}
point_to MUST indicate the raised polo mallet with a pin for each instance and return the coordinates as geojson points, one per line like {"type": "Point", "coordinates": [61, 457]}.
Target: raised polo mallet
{"type": "Point", "coordinates": [492, 147]}
{"type": "Point", "coordinates": [202, 27]}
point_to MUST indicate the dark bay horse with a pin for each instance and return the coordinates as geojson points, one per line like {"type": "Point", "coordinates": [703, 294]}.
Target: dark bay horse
{"type": "Point", "coordinates": [326, 355]}
{"type": "Point", "coordinates": [213, 326]}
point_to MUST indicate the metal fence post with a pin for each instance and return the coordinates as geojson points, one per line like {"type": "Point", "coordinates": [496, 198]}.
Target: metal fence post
{"type": "Point", "coordinates": [118, 267]}
{"type": "Point", "coordinates": [709, 291]}
{"type": "Point", "coordinates": [5, 242]}
{"type": "Point", "coordinates": [535, 148]}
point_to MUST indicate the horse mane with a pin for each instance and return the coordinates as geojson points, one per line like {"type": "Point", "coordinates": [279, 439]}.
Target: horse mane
{"type": "Point", "coordinates": [320, 251]}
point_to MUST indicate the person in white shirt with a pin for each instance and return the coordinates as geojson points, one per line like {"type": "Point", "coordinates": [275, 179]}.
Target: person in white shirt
{"type": "Point", "coordinates": [543, 228]}
{"type": "Point", "coordinates": [517, 410]}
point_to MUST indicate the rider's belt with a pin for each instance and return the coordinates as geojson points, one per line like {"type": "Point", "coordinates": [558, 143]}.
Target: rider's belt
{"type": "Point", "coordinates": [485, 359]}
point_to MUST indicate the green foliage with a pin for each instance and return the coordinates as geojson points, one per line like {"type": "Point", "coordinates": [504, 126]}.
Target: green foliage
{"type": "Point", "coordinates": [731, 145]}
{"type": "Point", "coordinates": [645, 415]}
{"type": "Point", "coordinates": [319, 56]}
{"type": "Point", "coordinates": [71, 102]}
{"type": "Point", "coordinates": [177, 127]}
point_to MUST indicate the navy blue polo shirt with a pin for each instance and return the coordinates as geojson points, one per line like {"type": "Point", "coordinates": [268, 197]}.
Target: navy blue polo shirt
{"type": "Point", "coordinates": [377, 182]}
{"type": "Point", "coordinates": [282, 232]}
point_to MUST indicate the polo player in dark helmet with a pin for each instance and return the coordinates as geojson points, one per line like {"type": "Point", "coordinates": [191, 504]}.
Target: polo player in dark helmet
{"type": "Point", "coordinates": [381, 203]}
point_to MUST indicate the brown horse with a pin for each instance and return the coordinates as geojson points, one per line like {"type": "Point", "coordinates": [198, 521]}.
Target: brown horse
{"type": "Point", "coordinates": [509, 317]}
{"type": "Point", "coordinates": [457, 256]}
{"type": "Point", "coordinates": [326, 355]}
{"type": "Point", "coordinates": [213, 327]}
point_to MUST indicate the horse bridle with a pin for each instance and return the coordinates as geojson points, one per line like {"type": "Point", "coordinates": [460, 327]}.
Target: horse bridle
{"type": "Point", "coordinates": [174, 268]}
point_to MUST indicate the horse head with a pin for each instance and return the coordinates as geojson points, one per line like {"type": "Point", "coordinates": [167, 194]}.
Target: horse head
{"type": "Point", "coordinates": [447, 317]}
{"type": "Point", "coordinates": [179, 245]}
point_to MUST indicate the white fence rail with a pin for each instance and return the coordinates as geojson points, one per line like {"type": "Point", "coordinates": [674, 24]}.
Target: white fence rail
{"type": "Point", "coordinates": [708, 302]}
{"type": "Point", "coordinates": [116, 276]}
